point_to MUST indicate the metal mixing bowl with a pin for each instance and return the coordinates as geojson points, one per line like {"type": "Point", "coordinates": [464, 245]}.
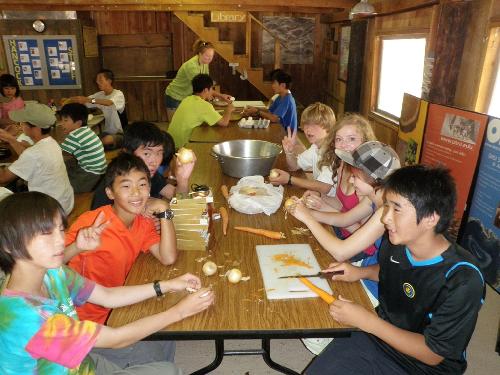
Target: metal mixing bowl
{"type": "Point", "coordinates": [246, 157]}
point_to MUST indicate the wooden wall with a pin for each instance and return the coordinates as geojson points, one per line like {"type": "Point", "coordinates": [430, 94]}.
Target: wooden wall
{"type": "Point", "coordinates": [88, 66]}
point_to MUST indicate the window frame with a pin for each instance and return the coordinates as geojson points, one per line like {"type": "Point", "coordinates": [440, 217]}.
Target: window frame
{"type": "Point", "coordinates": [377, 65]}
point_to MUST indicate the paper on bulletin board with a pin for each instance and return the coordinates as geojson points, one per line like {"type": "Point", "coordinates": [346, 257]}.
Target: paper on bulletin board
{"type": "Point", "coordinates": [453, 138]}
{"type": "Point", "coordinates": [481, 234]}
{"type": "Point", "coordinates": [411, 129]}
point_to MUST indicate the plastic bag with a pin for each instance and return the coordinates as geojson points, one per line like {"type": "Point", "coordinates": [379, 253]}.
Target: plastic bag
{"type": "Point", "coordinates": [251, 195]}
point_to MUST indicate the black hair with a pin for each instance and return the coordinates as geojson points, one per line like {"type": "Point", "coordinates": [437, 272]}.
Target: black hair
{"type": "Point", "coordinates": [108, 74]}
{"type": "Point", "coordinates": [8, 80]}
{"type": "Point", "coordinates": [75, 111]}
{"type": "Point", "coordinates": [281, 77]}
{"type": "Point", "coordinates": [122, 165]}
{"type": "Point", "coordinates": [42, 130]}
{"type": "Point", "coordinates": [273, 72]}
{"type": "Point", "coordinates": [201, 82]}
{"type": "Point", "coordinates": [429, 189]}
{"type": "Point", "coordinates": [22, 217]}
{"type": "Point", "coordinates": [144, 133]}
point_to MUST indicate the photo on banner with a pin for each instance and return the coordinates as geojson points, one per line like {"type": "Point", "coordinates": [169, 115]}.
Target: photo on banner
{"type": "Point", "coordinates": [481, 234]}
{"type": "Point", "coordinates": [411, 129]}
{"type": "Point", "coordinates": [453, 138]}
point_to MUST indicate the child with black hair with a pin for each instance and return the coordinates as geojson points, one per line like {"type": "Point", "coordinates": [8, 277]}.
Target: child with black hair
{"type": "Point", "coordinates": [130, 231]}
{"type": "Point", "coordinates": [10, 98]}
{"type": "Point", "coordinates": [156, 148]}
{"type": "Point", "coordinates": [283, 109]}
{"type": "Point", "coordinates": [83, 151]}
{"type": "Point", "coordinates": [430, 290]}
{"type": "Point", "coordinates": [40, 331]}
{"type": "Point", "coordinates": [195, 110]}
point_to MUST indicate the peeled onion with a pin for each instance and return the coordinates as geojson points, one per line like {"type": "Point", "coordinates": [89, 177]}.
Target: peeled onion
{"type": "Point", "coordinates": [185, 155]}
{"type": "Point", "coordinates": [209, 268]}
{"type": "Point", "coordinates": [290, 202]}
{"type": "Point", "coordinates": [234, 276]}
{"type": "Point", "coordinates": [274, 173]}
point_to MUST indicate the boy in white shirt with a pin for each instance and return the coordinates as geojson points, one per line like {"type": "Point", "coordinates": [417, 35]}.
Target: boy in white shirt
{"type": "Point", "coordinates": [111, 102]}
{"type": "Point", "coordinates": [41, 165]}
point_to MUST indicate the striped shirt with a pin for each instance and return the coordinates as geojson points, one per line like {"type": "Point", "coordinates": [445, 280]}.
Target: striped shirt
{"type": "Point", "coordinates": [87, 148]}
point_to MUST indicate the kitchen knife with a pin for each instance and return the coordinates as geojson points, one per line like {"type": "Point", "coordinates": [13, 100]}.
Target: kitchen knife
{"type": "Point", "coordinates": [322, 275]}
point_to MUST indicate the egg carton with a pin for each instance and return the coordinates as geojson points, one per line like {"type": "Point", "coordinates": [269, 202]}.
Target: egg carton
{"type": "Point", "coordinates": [249, 122]}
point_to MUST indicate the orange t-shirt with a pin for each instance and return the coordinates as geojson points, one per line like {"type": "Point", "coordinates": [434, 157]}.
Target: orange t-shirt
{"type": "Point", "coordinates": [110, 263]}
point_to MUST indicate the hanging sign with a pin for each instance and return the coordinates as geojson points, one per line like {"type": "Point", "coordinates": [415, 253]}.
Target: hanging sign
{"type": "Point", "coordinates": [228, 16]}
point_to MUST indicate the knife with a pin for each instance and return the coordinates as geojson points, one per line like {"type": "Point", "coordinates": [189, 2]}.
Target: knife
{"type": "Point", "coordinates": [322, 275]}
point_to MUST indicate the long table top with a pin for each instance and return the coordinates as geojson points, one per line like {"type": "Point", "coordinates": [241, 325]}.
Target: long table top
{"type": "Point", "coordinates": [215, 134]}
{"type": "Point", "coordinates": [241, 310]}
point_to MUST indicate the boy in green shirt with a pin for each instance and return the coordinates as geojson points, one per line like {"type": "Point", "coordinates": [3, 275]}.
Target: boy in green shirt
{"type": "Point", "coordinates": [195, 110]}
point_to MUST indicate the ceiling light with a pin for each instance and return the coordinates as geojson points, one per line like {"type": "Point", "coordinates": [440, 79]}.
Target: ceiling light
{"type": "Point", "coordinates": [363, 8]}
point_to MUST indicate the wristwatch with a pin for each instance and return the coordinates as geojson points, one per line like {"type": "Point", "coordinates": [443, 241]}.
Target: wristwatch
{"type": "Point", "coordinates": [167, 214]}
{"type": "Point", "coordinates": [92, 101]}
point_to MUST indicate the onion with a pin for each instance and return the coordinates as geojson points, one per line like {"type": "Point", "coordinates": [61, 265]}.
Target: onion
{"type": "Point", "coordinates": [309, 202]}
{"type": "Point", "coordinates": [234, 276]}
{"type": "Point", "coordinates": [290, 202]}
{"type": "Point", "coordinates": [209, 268]}
{"type": "Point", "coordinates": [274, 173]}
{"type": "Point", "coordinates": [185, 155]}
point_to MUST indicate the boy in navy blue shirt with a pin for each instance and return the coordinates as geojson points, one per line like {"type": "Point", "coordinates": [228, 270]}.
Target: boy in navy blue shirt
{"type": "Point", "coordinates": [430, 290]}
{"type": "Point", "coordinates": [283, 109]}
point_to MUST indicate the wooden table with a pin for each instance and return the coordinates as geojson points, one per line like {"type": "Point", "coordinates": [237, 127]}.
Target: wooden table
{"type": "Point", "coordinates": [215, 134]}
{"type": "Point", "coordinates": [241, 311]}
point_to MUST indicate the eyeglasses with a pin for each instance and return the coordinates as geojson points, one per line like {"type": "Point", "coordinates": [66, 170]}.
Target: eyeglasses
{"type": "Point", "coordinates": [347, 140]}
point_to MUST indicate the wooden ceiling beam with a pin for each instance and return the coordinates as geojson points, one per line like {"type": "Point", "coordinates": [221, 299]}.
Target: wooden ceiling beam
{"type": "Point", "coordinates": [108, 5]}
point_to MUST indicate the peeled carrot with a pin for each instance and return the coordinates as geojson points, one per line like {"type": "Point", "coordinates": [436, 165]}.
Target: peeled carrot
{"type": "Point", "coordinates": [263, 232]}
{"type": "Point", "coordinates": [328, 298]}
{"type": "Point", "coordinates": [225, 192]}
{"type": "Point", "coordinates": [225, 219]}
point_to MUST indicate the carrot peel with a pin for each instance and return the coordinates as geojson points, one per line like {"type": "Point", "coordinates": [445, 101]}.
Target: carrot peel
{"type": "Point", "coordinates": [328, 298]}
{"type": "Point", "coordinates": [225, 219]}
{"type": "Point", "coordinates": [224, 191]}
{"type": "Point", "coordinates": [263, 232]}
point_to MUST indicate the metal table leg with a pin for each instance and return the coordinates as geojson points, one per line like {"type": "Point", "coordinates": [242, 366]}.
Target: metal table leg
{"type": "Point", "coordinates": [219, 354]}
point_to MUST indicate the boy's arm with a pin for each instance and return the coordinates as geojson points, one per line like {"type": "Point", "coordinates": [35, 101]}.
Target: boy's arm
{"type": "Point", "coordinates": [6, 175]}
{"type": "Point", "coordinates": [345, 219]}
{"type": "Point", "coordinates": [406, 342]}
{"type": "Point", "coordinates": [17, 146]}
{"type": "Point", "coordinates": [166, 250]}
{"type": "Point", "coordinates": [226, 117]}
{"type": "Point", "coordinates": [342, 250]}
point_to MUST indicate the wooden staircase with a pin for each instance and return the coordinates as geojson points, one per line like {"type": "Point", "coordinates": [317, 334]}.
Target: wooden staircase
{"type": "Point", "coordinates": [255, 76]}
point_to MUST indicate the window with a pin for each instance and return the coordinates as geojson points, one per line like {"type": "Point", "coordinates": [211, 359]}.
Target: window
{"type": "Point", "coordinates": [401, 70]}
{"type": "Point", "coordinates": [494, 108]}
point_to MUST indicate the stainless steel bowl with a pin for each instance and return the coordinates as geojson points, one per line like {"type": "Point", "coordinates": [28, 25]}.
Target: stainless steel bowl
{"type": "Point", "coordinates": [246, 157]}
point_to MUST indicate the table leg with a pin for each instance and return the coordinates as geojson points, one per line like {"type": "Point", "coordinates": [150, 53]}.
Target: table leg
{"type": "Point", "coordinates": [219, 355]}
{"type": "Point", "coordinates": [266, 348]}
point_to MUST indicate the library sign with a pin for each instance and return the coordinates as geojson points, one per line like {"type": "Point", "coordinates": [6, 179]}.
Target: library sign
{"type": "Point", "coordinates": [228, 16]}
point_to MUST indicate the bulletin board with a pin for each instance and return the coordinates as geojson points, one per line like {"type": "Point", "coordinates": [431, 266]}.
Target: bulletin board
{"type": "Point", "coordinates": [43, 62]}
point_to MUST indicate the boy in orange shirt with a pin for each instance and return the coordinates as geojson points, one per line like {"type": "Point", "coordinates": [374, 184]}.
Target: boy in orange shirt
{"type": "Point", "coordinates": [125, 231]}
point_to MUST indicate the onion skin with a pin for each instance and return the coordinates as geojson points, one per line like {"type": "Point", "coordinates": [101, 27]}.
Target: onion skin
{"type": "Point", "coordinates": [209, 268]}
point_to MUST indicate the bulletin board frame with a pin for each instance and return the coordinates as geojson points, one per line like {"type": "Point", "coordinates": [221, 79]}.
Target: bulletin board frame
{"type": "Point", "coordinates": [43, 62]}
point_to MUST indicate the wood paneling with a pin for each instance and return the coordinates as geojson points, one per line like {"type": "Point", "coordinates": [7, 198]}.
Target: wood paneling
{"type": "Point", "coordinates": [132, 22]}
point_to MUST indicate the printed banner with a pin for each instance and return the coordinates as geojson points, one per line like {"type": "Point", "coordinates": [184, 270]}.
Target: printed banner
{"type": "Point", "coordinates": [481, 235]}
{"type": "Point", "coordinates": [411, 129]}
{"type": "Point", "coordinates": [453, 138]}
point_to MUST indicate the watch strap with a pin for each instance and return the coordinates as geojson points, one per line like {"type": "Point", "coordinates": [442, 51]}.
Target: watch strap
{"type": "Point", "coordinates": [157, 288]}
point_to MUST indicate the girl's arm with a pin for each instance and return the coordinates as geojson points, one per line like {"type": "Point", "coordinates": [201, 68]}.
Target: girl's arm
{"type": "Point", "coordinates": [345, 219]}
{"type": "Point", "coordinates": [342, 250]}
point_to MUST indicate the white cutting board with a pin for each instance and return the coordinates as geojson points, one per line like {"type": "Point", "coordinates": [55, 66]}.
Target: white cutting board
{"type": "Point", "coordinates": [249, 103]}
{"type": "Point", "coordinates": [272, 269]}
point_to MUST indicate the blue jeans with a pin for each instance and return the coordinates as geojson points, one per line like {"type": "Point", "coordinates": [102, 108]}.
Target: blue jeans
{"type": "Point", "coordinates": [170, 102]}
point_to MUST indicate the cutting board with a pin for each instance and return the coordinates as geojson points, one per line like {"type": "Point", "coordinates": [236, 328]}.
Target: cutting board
{"type": "Point", "coordinates": [277, 260]}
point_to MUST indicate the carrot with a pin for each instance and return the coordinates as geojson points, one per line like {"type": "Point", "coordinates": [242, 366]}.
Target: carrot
{"type": "Point", "coordinates": [263, 232]}
{"type": "Point", "coordinates": [224, 192]}
{"type": "Point", "coordinates": [225, 219]}
{"type": "Point", "coordinates": [328, 298]}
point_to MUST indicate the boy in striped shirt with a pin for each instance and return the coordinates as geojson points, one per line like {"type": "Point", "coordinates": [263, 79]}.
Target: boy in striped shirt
{"type": "Point", "coordinates": [82, 149]}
